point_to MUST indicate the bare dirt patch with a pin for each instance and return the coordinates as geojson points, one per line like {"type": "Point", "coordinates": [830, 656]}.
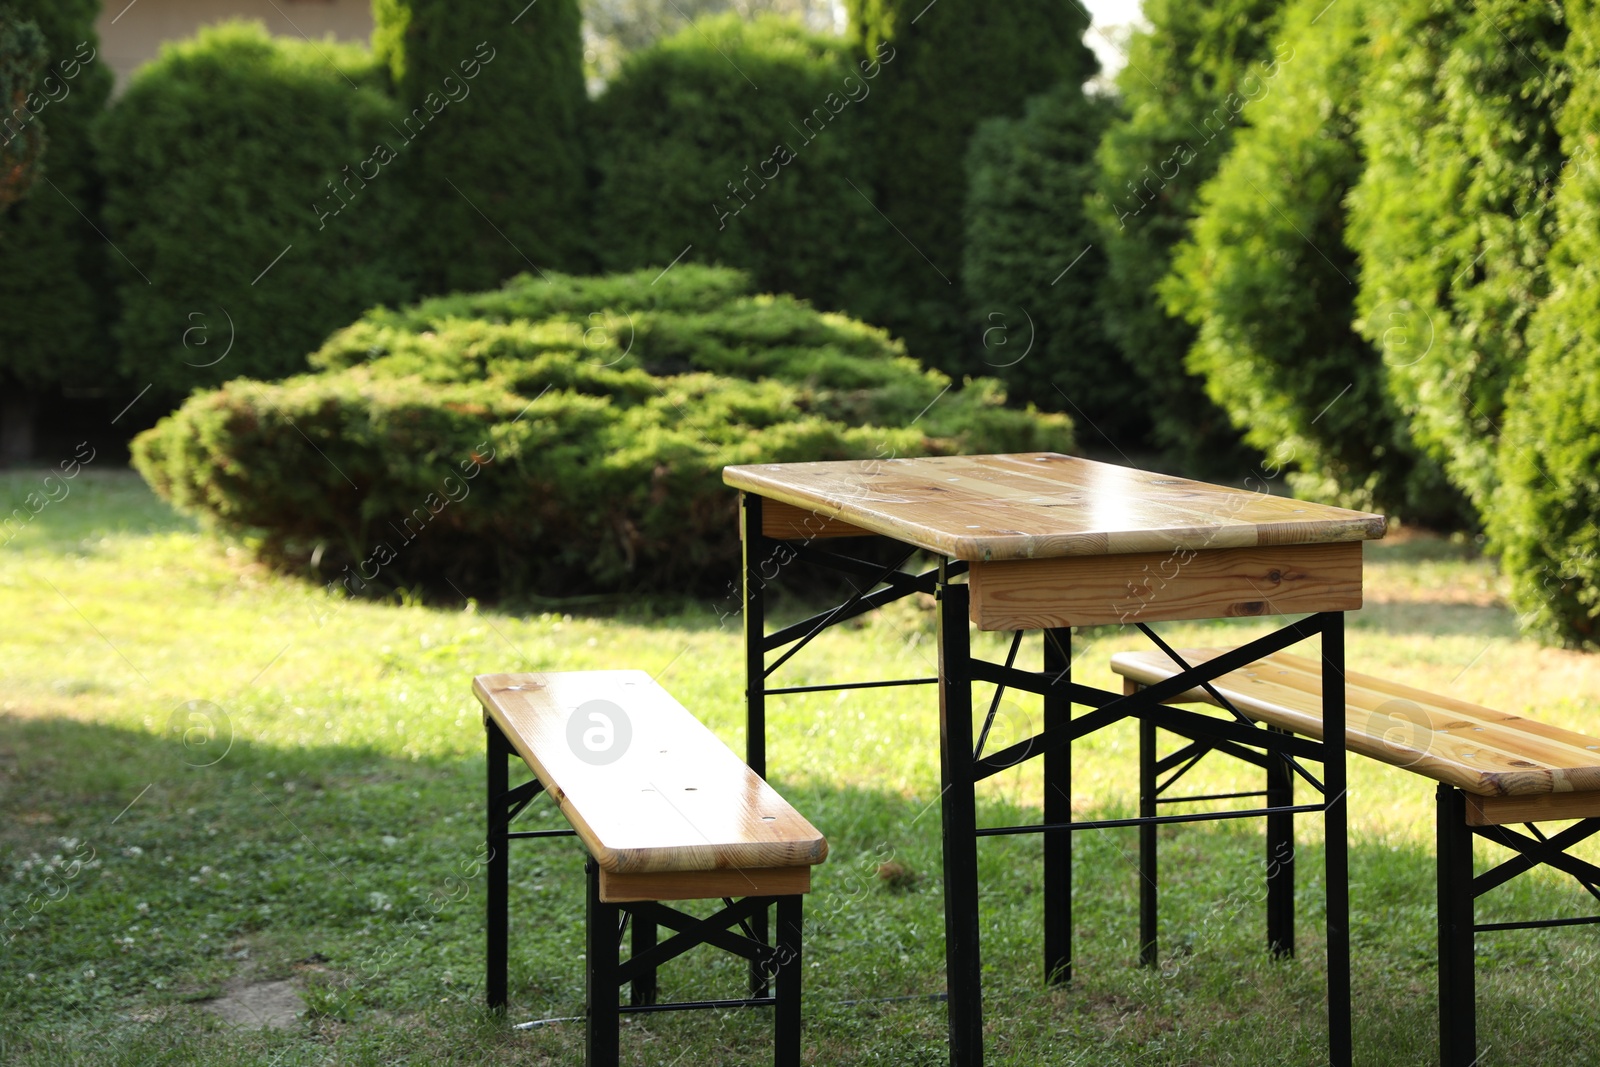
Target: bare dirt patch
{"type": "Point", "coordinates": [260, 1005]}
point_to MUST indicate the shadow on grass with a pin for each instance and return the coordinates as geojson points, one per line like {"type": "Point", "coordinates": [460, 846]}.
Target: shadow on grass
{"type": "Point", "coordinates": [134, 886]}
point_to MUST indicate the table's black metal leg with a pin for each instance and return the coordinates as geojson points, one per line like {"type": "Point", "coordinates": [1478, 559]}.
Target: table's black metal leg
{"type": "Point", "coordinates": [790, 969]}
{"type": "Point", "coordinates": [497, 925]}
{"type": "Point", "coordinates": [756, 551]}
{"type": "Point", "coordinates": [1057, 810]}
{"type": "Point", "coordinates": [602, 927]}
{"type": "Point", "coordinates": [755, 635]}
{"type": "Point", "coordinates": [1148, 891]}
{"type": "Point", "coordinates": [959, 806]}
{"type": "Point", "coordinates": [642, 938]}
{"type": "Point", "coordinates": [1457, 1010]}
{"type": "Point", "coordinates": [1280, 856]}
{"type": "Point", "coordinates": [1336, 821]}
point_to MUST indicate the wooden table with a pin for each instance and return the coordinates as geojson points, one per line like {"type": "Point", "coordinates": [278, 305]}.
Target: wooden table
{"type": "Point", "coordinates": [1042, 541]}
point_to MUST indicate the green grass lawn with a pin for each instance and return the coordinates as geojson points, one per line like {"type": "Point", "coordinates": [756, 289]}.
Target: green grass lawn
{"type": "Point", "coordinates": [213, 777]}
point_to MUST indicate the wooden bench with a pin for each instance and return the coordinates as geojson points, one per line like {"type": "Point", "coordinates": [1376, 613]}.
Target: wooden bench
{"type": "Point", "coordinates": [666, 812]}
{"type": "Point", "coordinates": [1493, 770]}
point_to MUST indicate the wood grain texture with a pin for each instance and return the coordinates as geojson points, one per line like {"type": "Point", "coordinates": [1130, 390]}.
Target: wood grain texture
{"type": "Point", "coordinates": [677, 799]}
{"type": "Point", "coordinates": [704, 885]}
{"type": "Point", "coordinates": [1481, 751]}
{"type": "Point", "coordinates": [1044, 504]}
{"type": "Point", "coordinates": [1159, 586]}
{"type": "Point", "coordinates": [785, 522]}
{"type": "Point", "coordinates": [1548, 807]}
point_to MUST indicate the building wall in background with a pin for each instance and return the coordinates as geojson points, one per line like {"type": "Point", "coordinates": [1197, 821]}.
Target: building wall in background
{"type": "Point", "coordinates": [131, 34]}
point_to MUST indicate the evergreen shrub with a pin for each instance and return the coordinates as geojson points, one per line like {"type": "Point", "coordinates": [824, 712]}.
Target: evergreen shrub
{"type": "Point", "coordinates": [1545, 520]}
{"type": "Point", "coordinates": [253, 202]}
{"type": "Point", "coordinates": [558, 437]}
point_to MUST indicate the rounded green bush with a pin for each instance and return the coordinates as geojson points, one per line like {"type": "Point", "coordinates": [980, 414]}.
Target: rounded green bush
{"type": "Point", "coordinates": [735, 142]}
{"type": "Point", "coordinates": [250, 188]}
{"type": "Point", "coordinates": [558, 436]}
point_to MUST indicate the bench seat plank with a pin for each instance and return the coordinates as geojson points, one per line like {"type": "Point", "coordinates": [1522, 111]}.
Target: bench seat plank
{"type": "Point", "coordinates": [676, 800]}
{"type": "Point", "coordinates": [1480, 751]}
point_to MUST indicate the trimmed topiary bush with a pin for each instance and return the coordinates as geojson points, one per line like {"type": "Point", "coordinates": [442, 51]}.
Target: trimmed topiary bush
{"type": "Point", "coordinates": [947, 67]}
{"type": "Point", "coordinates": [251, 189]}
{"type": "Point", "coordinates": [1545, 521]}
{"type": "Point", "coordinates": [1453, 217]}
{"type": "Point", "coordinates": [1032, 270]}
{"type": "Point", "coordinates": [1192, 80]}
{"type": "Point", "coordinates": [558, 437]}
{"type": "Point", "coordinates": [494, 111]}
{"type": "Point", "coordinates": [696, 161]}
{"type": "Point", "coordinates": [1269, 282]}
{"type": "Point", "coordinates": [53, 323]}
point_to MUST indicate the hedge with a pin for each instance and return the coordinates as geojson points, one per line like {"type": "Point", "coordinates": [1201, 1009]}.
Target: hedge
{"type": "Point", "coordinates": [557, 437]}
{"type": "Point", "coordinates": [495, 114]}
{"type": "Point", "coordinates": [53, 329]}
{"type": "Point", "coordinates": [1191, 81]}
{"type": "Point", "coordinates": [1453, 217]}
{"type": "Point", "coordinates": [1032, 269]}
{"type": "Point", "coordinates": [252, 191]}
{"type": "Point", "coordinates": [693, 160]}
{"type": "Point", "coordinates": [1547, 506]}
{"type": "Point", "coordinates": [947, 67]}
{"type": "Point", "coordinates": [1269, 282]}
{"type": "Point", "coordinates": [23, 55]}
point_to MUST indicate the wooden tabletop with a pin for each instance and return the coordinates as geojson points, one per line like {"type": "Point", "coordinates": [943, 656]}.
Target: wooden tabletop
{"type": "Point", "coordinates": [676, 799]}
{"type": "Point", "coordinates": [1044, 504]}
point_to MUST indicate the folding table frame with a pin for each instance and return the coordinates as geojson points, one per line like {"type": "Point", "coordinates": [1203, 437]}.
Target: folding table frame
{"type": "Point", "coordinates": [964, 762]}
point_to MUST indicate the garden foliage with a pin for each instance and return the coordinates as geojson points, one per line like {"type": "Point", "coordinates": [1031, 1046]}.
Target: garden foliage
{"type": "Point", "coordinates": [948, 66]}
{"type": "Point", "coordinates": [1269, 282]}
{"type": "Point", "coordinates": [1453, 217]}
{"type": "Point", "coordinates": [252, 192]}
{"type": "Point", "coordinates": [52, 327]}
{"type": "Point", "coordinates": [558, 436]}
{"type": "Point", "coordinates": [494, 113]}
{"type": "Point", "coordinates": [1032, 270]}
{"type": "Point", "coordinates": [737, 142]}
{"type": "Point", "coordinates": [1545, 511]}
{"type": "Point", "coordinates": [23, 54]}
{"type": "Point", "coordinates": [1193, 76]}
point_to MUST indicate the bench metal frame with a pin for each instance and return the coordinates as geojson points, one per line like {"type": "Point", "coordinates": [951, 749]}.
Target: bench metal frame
{"type": "Point", "coordinates": [1457, 886]}
{"type": "Point", "coordinates": [774, 962]}
{"type": "Point", "coordinates": [1458, 890]}
{"type": "Point", "coordinates": [964, 763]}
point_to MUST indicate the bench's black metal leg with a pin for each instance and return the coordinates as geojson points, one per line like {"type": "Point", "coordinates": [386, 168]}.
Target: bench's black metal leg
{"type": "Point", "coordinates": [1148, 891]}
{"type": "Point", "coordinates": [760, 977]}
{"type": "Point", "coordinates": [642, 990]}
{"type": "Point", "coordinates": [498, 909]}
{"type": "Point", "coordinates": [788, 978]}
{"type": "Point", "coordinates": [958, 803]}
{"type": "Point", "coordinates": [602, 923]}
{"type": "Point", "coordinates": [1057, 810]}
{"type": "Point", "coordinates": [1337, 855]}
{"type": "Point", "coordinates": [1457, 993]}
{"type": "Point", "coordinates": [1280, 857]}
